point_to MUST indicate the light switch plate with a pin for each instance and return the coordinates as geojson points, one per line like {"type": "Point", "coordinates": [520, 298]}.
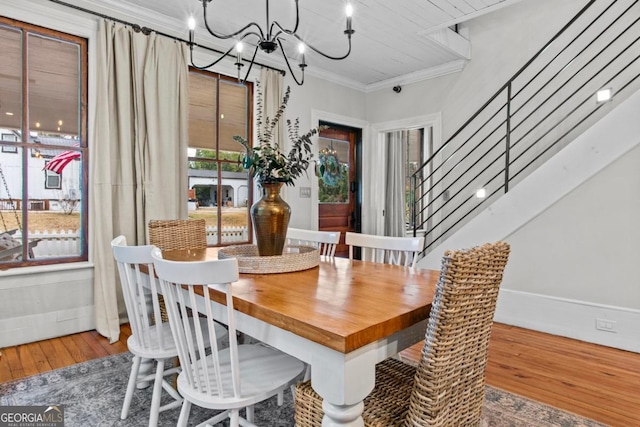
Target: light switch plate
{"type": "Point", "coordinates": [305, 192]}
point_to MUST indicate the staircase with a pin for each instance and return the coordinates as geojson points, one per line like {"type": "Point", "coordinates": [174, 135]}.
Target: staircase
{"type": "Point", "coordinates": [545, 106]}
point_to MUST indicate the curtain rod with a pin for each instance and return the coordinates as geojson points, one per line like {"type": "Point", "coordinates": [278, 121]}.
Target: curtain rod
{"type": "Point", "coordinates": [146, 31]}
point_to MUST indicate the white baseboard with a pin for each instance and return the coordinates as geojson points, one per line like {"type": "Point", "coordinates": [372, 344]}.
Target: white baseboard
{"type": "Point", "coordinates": [570, 318]}
{"type": "Point", "coordinates": [36, 327]}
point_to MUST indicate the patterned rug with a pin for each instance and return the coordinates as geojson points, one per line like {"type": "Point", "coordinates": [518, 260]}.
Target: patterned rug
{"type": "Point", "coordinates": [92, 394]}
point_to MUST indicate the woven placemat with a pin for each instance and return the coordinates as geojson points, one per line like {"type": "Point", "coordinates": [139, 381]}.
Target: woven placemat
{"type": "Point", "coordinates": [293, 258]}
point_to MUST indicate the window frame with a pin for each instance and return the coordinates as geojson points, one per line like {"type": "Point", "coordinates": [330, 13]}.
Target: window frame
{"type": "Point", "coordinates": [27, 146]}
{"type": "Point", "coordinates": [49, 174]}
{"type": "Point", "coordinates": [219, 187]}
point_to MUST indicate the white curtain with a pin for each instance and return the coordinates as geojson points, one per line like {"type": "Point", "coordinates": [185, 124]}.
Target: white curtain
{"type": "Point", "coordinates": [271, 82]}
{"type": "Point", "coordinates": [138, 153]}
{"type": "Point", "coordinates": [394, 218]}
{"type": "Point", "coordinates": [373, 183]}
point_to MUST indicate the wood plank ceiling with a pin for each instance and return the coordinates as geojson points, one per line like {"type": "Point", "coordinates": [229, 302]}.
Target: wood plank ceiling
{"type": "Point", "coordinates": [393, 38]}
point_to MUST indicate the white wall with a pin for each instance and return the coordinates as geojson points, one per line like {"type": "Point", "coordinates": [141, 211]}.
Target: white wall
{"type": "Point", "coordinates": [48, 301]}
{"type": "Point", "coordinates": [596, 272]}
{"type": "Point", "coordinates": [43, 302]}
{"type": "Point", "coordinates": [317, 95]}
{"type": "Point", "coordinates": [574, 231]}
{"type": "Point", "coordinates": [501, 43]}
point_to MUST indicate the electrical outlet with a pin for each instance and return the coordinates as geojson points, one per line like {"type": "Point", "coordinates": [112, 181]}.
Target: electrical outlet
{"type": "Point", "coordinates": [606, 325]}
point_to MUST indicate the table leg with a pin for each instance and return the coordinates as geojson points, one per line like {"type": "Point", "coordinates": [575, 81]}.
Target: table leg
{"type": "Point", "coordinates": [342, 415]}
{"type": "Point", "coordinates": [343, 381]}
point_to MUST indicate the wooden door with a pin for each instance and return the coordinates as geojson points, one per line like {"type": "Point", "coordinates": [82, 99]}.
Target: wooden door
{"type": "Point", "coordinates": [338, 185]}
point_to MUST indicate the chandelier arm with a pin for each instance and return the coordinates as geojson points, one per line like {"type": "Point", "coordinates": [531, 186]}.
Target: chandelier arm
{"type": "Point", "coordinates": [337, 58]}
{"type": "Point", "coordinates": [228, 36]}
{"type": "Point", "coordinates": [224, 55]}
{"type": "Point", "coordinates": [282, 30]}
{"type": "Point", "coordinates": [253, 58]}
{"type": "Point", "coordinates": [286, 60]}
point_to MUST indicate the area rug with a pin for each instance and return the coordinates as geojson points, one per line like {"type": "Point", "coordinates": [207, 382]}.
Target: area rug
{"type": "Point", "coordinates": [92, 394]}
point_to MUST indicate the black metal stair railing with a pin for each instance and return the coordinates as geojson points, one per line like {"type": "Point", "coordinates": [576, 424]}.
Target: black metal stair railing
{"type": "Point", "coordinates": [542, 108]}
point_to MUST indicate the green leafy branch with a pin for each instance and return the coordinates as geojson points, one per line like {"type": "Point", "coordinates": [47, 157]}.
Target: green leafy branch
{"type": "Point", "coordinates": [266, 162]}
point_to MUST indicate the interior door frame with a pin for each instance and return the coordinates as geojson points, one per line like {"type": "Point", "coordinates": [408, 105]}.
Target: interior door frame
{"type": "Point", "coordinates": [318, 116]}
{"type": "Point", "coordinates": [379, 131]}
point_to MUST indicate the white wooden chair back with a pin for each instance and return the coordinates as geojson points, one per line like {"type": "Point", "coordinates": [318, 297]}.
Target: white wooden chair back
{"type": "Point", "coordinates": [385, 249]}
{"type": "Point", "coordinates": [325, 241]}
{"type": "Point", "coordinates": [137, 287]}
{"type": "Point", "coordinates": [183, 283]}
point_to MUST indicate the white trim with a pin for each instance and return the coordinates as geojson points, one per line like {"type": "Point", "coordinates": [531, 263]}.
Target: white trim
{"type": "Point", "coordinates": [50, 15]}
{"type": "Point", "coordinates": [569, 318]}
{"type": "Point", "coordinates": [418, 76]}
{"type": "Point", "coordinates": [470, 16]}
{"type": "Point", "coordinates": [451, 41]}
{"type": "Point", "coordinates": [378, 131]}
{"type": "Point", "coordinates": [41, 326]}
{"type": "Point", "coordinates": [433, 119]}
{"type": "Point", "coordinates": [316, 117]}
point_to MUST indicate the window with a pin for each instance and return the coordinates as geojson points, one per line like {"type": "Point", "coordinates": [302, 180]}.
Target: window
{"type": "Point", "coordinates": [9, 137]}
{"type": "Point", "coordinates": [52, 180]}
{"type": "Point", "coordinates": [219, 109]}
{"type": "Point", "coordinates": [43, 198]}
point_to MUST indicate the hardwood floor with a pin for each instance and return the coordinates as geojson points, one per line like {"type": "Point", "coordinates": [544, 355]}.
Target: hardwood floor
{"type": "Point", "coordinates": [590, 380]}
{"type": "Point", "coordinates": [594, 381]}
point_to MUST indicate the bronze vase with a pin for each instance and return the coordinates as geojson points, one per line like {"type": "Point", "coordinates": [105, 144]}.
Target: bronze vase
{"type": "Point", "coordinates": [270, 216]}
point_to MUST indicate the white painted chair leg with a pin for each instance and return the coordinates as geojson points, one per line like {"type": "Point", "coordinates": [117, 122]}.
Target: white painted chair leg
{"type": "Point", "coordinates": [157, 394]}
{"type": "Point", "coordinates": [280, 398]}
{"type": "Point", "coordinates": [133, 376]}
{"type": "Point", "coordinates": [234, 418]}
{"type": "Point", "coordinates": [184, 414]}
{"type": "Point", "coordinates": [146, 366]}
{"type": "Point", "coordinates": [250, 413]}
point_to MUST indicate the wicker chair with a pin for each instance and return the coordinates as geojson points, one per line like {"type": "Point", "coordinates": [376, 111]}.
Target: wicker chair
{"type": "Point", "coordinates": [447, 386]}
{"type": "Point", "coordinates": [178, 234]}
{"type": "Point", "coordinates": [175, 234]}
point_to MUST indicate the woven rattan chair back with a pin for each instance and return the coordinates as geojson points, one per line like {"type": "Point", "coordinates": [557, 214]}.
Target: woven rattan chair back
{"type": "Point", "coordinates": [178, 234]}
{"type": "Point", "coordinates": [450, 379]}
{"type": "Point", "coordinates": [447, 386]}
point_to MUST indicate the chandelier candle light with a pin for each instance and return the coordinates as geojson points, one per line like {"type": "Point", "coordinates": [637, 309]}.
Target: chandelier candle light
{"type": "Point", "coordinates": [268, 40]}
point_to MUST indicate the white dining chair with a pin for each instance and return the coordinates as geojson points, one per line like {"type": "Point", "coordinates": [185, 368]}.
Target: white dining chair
{"type": "Point", "coordinates": [325, 241]}
{"type": "Point", "coordinates": [390, 250]}
{"type": "Point", "coordinates": [150, 339]}
{"type": "Point", "coordinates": [228, 379]}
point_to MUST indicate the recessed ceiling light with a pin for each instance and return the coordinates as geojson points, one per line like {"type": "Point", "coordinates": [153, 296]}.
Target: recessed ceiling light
{"type": "Point", "coordinates": [604, 95]}
{"type": "Point", "coordinates": [481, 193]}
{"type": "Point", "coordinates": [9, 113]}
{"type": "Point", "coordinates": [37, 124]}
{"type": "Point", "coordinates": [59, 123]}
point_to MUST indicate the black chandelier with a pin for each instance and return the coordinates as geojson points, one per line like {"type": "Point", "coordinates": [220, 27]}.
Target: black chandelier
{"type": "Point", "coordinates": [268, 41]}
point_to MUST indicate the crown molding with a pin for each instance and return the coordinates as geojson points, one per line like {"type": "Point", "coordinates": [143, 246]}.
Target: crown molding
{"type": "Point", "coordinates": [418, 76]}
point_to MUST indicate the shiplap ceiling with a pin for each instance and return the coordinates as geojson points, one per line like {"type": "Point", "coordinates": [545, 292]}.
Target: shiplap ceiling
{"type": "Point", "coordinates": [396, 41]}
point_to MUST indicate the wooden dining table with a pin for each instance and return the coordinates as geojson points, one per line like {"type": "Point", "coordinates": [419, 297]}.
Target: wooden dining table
{"type": "Point", "coordinates": [341, 317]}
